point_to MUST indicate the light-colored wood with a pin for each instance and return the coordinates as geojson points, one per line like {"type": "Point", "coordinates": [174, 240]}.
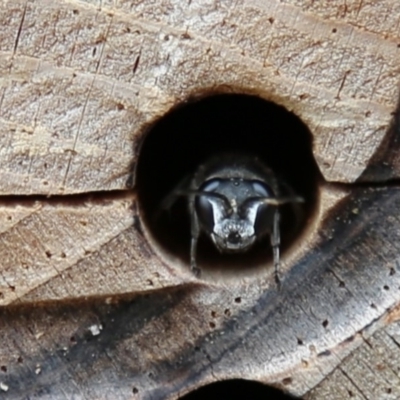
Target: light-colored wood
{"type": "Point", "coordinates": [91, 306]}
{"type": "Point", "coordinates": [79, 82]}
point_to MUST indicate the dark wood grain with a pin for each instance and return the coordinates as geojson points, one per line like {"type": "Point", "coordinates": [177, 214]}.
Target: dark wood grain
{"type": "Point", "coordinates": [168, 342]}
{"type": "Point", "coordinates": [99, 311]}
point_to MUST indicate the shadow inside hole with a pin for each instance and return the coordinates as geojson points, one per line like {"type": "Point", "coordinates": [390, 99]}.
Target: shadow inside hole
{"type": "Point", "coordinates": [237, 389]}
{"type": "Point", "coordinates": [190, 134]}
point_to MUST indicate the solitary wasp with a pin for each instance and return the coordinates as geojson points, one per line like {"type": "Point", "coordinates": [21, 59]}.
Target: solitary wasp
{"type": "Point", "coordinates": [234, 199]}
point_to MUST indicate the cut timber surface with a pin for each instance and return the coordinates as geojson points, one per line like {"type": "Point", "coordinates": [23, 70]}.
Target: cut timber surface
{"type": "Point", "coordinates": [90, 306]}
{"type": "Point", "coordinates": [81, 80]}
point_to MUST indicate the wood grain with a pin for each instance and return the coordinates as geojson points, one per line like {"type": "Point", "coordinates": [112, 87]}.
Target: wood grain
{"type": "Point", "coordinates": [80, 83]}
{"type": "Point", "coordinates": [170, 341]}
{"type": "Point", "coordinates": [91, 306]}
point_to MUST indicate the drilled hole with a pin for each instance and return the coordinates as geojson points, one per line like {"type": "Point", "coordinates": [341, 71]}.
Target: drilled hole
{"type": "Point", "coordinates": [182, 140]}
{"type": "Point", "coordinates": [237, 389]}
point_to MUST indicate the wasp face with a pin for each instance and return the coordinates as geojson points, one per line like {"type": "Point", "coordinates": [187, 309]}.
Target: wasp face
{"type": "Point", "coordinates": [230, 212]}
{"type": "Point", "coordinates": [233, 199]}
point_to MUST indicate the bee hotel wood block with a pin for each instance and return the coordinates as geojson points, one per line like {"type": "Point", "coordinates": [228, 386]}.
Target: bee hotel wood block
{"type": "Point", "coordinates": [91, 307]}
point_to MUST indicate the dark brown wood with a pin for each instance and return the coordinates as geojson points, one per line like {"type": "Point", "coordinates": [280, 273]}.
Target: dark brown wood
{"type": "Point", "coordinates": [90, 305]}
{"type": "Point", "coordinates": [170, 341]}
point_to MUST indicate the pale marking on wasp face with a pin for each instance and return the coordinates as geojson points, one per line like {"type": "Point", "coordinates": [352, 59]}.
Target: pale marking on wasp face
{"type": "Point", "coordinates": [225, 225]}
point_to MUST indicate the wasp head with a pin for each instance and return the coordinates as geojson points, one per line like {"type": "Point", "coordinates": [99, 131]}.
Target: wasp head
{"type": "Point", "coordinates": [233, 213]}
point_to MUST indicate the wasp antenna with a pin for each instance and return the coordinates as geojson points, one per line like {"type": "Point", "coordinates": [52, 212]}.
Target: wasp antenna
{"type": "Point", "coordinates": [276, 201]}
{"type": "Point", "coordinates": [275, 243]}
{"type": "Point", "coordinates": [292, 199]}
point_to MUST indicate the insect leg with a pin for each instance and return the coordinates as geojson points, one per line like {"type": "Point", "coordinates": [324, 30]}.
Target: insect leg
{"type": "Point", "coordinates": [275, 242]}
{"type": "Point", "coordinates": [195, 232]}
{"type": "Point", "coordinates": [169, 200]}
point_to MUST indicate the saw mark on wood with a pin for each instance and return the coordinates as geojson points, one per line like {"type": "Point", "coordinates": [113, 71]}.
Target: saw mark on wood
{"type": "Point", "coordinates": [347, 376]}
{"type": "Point", "coordinates": [20, 28]}
{"type": "Point", "coordinates": [342, 84]}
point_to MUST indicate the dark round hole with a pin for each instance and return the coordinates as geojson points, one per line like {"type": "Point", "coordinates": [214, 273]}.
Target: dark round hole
{"type": "Point", "coordinates": [177, 144]}
{"type": "Point", "coordinates": [237, 389]}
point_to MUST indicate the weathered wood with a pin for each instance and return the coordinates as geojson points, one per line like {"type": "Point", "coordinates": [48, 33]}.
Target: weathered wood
{"type": "Point", "coordinates": [80, 82]}
{"type": "Point", "coordinates": [91, 305]}
{"type": "Point", "coordinates": [65, 248]}
{"type": "Point", "coordinates": [173, 340]}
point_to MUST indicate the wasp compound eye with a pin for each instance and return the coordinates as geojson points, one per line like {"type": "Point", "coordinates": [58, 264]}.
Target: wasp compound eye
{"type": "Point", "coordinates": [261, 189]}
{"type": "Point", "coordinates": [209, 210]}
{"type": "Point", "coordinates": [226, 159]}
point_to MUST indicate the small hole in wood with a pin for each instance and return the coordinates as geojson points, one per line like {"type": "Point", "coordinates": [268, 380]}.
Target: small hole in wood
{"type": "Point", "coordinates": [299, 342]}
{"type": "Point", "coordinates": [135, 390]}
{"type": "Point", "coordinates": [334, 30]}
{"type": "Point", "coordinates": [287, 381]}
{"type": "Point", "coordinates": [325, 323]}
{"type": "Point", "coordinates": [238, 389]}
{"type": "Point", "coordinates": [238, 300]}
{"type": "Point", "coordinates": [189, 135]}
{"type": "Point", "coordinates": [3, 368]}
{"type": "Point", "coordinates": [386, 287]}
